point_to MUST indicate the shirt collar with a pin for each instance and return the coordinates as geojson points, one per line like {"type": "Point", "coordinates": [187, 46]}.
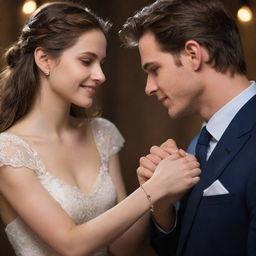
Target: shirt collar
{"type": "Point", "coordinates": [219, 122]}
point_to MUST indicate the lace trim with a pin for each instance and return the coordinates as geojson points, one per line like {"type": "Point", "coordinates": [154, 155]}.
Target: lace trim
{"type": "Point", "coordinates": [107, 137]}
{"type": "Point", "coordinates": [28, 158]}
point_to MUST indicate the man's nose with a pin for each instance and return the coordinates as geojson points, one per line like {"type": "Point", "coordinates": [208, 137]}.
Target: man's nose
{"type": "Point", "coordinates": [151, 86]}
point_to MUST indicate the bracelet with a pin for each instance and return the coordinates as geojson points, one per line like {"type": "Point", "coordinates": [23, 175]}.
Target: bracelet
{"type": "Point", "coordinates": [151, 206]}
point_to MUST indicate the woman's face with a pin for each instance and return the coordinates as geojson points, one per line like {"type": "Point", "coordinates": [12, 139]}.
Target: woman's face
{"type": "Point", "coordinates": [76, 75]}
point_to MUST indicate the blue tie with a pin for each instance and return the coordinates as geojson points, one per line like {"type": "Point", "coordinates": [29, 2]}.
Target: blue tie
{"type": "Point", "coordinates": [202, 145]}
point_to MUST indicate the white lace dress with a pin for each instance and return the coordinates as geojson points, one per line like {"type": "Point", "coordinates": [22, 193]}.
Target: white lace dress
{"type": "Point", "coordinates": [81, 208]}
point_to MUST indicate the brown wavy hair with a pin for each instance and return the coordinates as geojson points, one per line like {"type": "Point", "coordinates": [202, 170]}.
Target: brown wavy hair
{"type": "Point", "coordinates": [174, 22]}
{"type": "Point", "coordinates": [54, 27]}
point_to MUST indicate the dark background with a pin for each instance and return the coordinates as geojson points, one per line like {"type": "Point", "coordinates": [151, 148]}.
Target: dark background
{"type": "Point", "coordinates": [141, 119]}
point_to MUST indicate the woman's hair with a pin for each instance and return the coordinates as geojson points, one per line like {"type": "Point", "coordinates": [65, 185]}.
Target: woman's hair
{"type": "Point", "coordinates": [54, 27]}
{"type": "Point", "coordinates": [174, 22]}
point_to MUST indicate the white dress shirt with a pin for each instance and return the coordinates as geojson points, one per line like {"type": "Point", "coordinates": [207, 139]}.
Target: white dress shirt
{"type": "Point", "coordinates": [220, 121]}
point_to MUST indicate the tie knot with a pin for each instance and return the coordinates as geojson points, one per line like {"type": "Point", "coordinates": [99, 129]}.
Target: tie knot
{"type": "Point", "coordinates": [204, 137]}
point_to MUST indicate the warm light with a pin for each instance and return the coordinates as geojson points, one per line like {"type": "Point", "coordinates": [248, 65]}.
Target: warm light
{"type": "Point", "coordinates": [244, 14]}
{"type": "Point", "coordinates": [29, 7]}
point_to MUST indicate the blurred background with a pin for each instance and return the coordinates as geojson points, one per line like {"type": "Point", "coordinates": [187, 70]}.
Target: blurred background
{"type": "Point", "coordinates": [141, 119]}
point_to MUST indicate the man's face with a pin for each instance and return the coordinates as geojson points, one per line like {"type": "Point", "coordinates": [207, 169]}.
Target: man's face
{"type": "Point", "coordinates": [175, 85]}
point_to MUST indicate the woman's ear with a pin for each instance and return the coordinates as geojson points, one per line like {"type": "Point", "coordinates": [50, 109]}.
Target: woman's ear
{"type": "Point", "coordinates": [42, 60]}
{"type": "Point", "coordinates": [195, 53]}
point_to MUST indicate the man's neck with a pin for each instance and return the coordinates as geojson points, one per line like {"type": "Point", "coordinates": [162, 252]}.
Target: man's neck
{"type": "Point", "coordinates": [219, 90]}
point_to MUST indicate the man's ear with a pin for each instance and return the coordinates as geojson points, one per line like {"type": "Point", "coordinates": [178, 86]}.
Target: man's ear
{"type": "Point", "coordinates": [42, 60]}
{"type": "Point", "coordinates": [196, 53]}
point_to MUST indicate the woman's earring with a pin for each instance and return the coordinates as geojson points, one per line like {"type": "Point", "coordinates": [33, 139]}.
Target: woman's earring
{"type": "Point", "coordinates": [47, 73]}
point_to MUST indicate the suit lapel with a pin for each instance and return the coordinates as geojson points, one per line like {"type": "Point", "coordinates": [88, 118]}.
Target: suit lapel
{"type": "Point", "coordinates": [232, 141]}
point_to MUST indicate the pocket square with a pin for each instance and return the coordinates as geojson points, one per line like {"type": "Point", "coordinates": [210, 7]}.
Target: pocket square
{"type": "Point", "coordinates": [215, 189]}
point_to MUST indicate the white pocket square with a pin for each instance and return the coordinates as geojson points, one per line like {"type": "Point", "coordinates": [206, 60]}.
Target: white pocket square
{"type": "Point", "coordinates": [215, 189]}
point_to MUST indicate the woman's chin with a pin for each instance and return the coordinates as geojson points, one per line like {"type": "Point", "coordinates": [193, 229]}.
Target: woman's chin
{"type": "Point", "coordinates": [87, 104]}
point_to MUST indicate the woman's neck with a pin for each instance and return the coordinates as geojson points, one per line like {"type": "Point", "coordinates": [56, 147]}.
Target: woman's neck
{"type": "Point", "coordinates": [49, 116]}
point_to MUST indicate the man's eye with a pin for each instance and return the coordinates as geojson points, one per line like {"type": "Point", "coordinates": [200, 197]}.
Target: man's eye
{"type": "Point", "coordinates": [154, 70]}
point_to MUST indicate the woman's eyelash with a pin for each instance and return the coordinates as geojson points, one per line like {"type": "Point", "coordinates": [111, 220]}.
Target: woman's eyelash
{"type": "Point", "coordinates": [86, 62]}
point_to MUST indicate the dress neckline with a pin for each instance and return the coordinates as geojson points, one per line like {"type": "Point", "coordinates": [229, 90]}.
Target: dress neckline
{"type": "Point", "coordinates": [46, 172]}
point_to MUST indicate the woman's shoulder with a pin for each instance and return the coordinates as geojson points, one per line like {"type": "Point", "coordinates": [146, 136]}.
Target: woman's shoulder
{"type": "Point", "coordinates": [104, 126]}
{"type": "Point", "coordinates": [14, 135]}
{"type": "Point", "coordinates": [11, 140]}
{"type": "Point", "coordinates": [103, 122]}
{"type": "Point", "coordinates": [108, 135]}
{"type": "Point", "coordinates": [16, 152]}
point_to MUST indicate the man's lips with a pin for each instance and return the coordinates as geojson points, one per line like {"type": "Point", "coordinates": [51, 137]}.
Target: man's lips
{"type": "Point", "coordinates": [164, 101]}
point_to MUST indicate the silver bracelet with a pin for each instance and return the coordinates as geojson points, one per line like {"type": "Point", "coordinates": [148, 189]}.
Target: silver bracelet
{"type": "Point", "coordinates": [151, 206]}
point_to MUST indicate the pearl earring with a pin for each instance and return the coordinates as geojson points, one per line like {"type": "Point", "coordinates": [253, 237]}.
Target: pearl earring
{"type": "Point", "coordinates": [47, 73]}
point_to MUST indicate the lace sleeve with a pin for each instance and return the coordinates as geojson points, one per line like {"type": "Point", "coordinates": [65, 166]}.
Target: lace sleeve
{"type": "Point", "coordinates": [108, 138]}
{"type": "Point", "coordinates": [14, 152]}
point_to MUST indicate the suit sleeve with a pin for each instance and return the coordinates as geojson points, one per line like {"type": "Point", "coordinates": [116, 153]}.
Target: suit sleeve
{"type": "Point", "coordinates": [251, 202]}
{"type": "Point", "coordinates": [164, 244]}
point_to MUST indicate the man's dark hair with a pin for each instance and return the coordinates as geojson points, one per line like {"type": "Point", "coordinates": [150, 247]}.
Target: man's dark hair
{"type": "Point", "coordinates": [174, 22]}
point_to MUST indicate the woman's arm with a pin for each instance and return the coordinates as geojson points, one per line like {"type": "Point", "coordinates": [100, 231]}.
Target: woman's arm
{"type": "Point", "coordinates": [44, 215]}
{"type": "Point", "coordinates": [164, 214]}
{"type": "Point", "coordinates": [133, 239]}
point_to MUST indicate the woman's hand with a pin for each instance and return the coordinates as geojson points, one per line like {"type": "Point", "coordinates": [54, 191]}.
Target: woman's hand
{"type": "Point", "coordinates": [176, 174]}
{"type": "Point", "coordinates": [149, 162]}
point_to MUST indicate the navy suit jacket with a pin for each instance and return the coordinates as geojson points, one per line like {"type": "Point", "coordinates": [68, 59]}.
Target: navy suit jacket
{"type": "Point", "coordinates": [221, 225]}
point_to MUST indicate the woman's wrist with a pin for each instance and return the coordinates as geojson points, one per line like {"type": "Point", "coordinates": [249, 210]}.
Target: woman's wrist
{"type": "Point", "coordinates": [153, 190]}
{"type": "Point", "coordinates": [148, 196]}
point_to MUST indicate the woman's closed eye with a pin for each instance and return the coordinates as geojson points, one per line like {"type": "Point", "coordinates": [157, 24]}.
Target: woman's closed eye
{"type": "Point", "coordinates": [86, 62]}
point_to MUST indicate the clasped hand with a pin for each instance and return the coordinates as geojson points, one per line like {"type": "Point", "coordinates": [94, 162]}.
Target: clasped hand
{"type": "Point", "coordinates": [176, 170]}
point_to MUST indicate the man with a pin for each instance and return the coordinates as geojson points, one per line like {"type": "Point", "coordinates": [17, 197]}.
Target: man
{"type": "Point", "coordinates": [192, 54]}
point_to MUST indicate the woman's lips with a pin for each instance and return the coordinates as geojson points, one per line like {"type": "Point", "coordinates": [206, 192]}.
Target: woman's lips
{"type": "Point", "coordinates": [90, 90]}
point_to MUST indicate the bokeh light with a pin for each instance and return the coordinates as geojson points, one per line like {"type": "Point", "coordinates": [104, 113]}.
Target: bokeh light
{"type": "Point", "coordinates": [244, 14]}
{"type": "Point", "coordinates": [29, 7]}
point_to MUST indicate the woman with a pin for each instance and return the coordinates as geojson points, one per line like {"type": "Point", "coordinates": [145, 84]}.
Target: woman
{"type": "Point", "coordinates": [60, 183]}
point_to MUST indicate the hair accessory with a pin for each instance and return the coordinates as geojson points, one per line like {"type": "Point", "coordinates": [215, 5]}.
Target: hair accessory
{"type": "Point", "coordinates": [151, 206]}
